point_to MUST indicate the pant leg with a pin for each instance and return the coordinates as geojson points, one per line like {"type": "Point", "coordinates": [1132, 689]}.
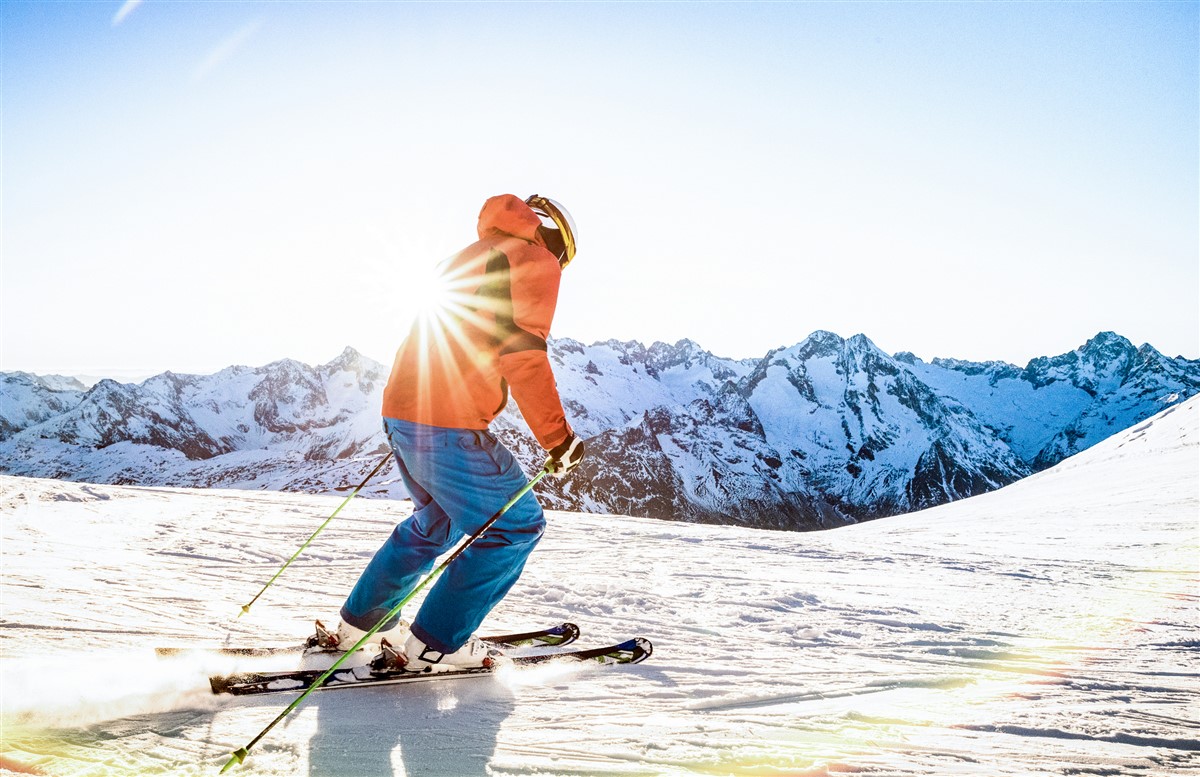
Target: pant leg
{"type": "Point", "coordinates": [471, 479]}
{"type": "Point", "coordinates": [405, 558]}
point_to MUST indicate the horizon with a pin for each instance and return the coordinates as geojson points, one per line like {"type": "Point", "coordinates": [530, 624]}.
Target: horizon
{"type": "Point", "coordinates": [134, 376]}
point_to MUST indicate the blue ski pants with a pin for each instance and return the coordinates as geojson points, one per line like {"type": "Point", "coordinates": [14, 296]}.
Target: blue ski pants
{"type": "Point", "coordinates": [458, 479]}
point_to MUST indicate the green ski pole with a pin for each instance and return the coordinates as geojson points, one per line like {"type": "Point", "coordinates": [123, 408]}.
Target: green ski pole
{"type": "Point", "coordinates": [379, 466]}
{"type": "Point", "coordinates": [239, 755]}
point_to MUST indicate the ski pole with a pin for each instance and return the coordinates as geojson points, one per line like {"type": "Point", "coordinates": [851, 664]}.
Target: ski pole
{"type": "Point", "coordinates": [239, 755]}
{"type": "Point", "coordinates": [379, 466]}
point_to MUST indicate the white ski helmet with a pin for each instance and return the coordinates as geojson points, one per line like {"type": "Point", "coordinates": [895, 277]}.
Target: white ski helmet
{"type": "Point", "coordinates": [554, 216]}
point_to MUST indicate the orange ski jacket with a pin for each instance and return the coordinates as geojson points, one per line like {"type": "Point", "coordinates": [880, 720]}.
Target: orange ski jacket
{"type": "Point", "coordinates": [487, 335]}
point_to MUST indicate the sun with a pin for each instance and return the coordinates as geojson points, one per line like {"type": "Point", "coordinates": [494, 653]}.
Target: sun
{"type": "Point", "coordinates": [431, 293]}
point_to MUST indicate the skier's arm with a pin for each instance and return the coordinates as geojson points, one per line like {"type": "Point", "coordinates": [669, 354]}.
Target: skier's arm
{"type": "Point", "coordinates": [524, 362]}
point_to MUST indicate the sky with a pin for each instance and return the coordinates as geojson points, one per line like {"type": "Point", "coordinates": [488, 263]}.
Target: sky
{"type": "Point", "coordinates": [190, 185]}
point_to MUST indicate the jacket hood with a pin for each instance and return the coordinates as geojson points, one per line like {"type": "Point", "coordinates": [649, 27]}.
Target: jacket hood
{"type": "Point", "coordinates": [507, 214]}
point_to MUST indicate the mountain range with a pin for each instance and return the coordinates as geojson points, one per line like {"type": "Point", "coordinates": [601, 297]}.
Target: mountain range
{"type": "Point", "coordinates": [823, 433]}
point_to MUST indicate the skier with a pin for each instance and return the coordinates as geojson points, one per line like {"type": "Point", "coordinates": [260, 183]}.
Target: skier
{"type": "Point", "coordinates": [450, 379]}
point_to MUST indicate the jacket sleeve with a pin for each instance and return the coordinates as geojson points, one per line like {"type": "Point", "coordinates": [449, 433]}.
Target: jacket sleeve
{"type": "Point", "coordinates": [524, 362]}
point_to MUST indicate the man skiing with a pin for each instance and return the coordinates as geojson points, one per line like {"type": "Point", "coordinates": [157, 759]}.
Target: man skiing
{"type": "Point", "coordinates": [450, 379]}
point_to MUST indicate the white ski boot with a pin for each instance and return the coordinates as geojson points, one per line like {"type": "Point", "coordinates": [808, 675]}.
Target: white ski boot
{"type": "Point", "coordinates": [347, 636]}
{"type": "Point", "coordinates": [419, 657]}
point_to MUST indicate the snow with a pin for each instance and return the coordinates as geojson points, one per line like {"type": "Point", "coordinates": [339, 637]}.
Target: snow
{"type": "Point", "coordinates": [1049, 627]}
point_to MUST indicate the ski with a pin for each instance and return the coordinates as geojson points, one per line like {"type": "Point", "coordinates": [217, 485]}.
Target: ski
{"type": "Point", "coordinates": [633, 651]}
{"type": "Point", "coordinates": [554, 636]}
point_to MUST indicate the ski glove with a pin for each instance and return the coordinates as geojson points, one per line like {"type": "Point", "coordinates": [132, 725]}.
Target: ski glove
{"type": "Point", "coordinates": [564, 457]}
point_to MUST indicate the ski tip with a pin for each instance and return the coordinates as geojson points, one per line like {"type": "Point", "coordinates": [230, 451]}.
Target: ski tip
{"type": "Point", "coordinates": [569, 633]}
{"type": "Point", "coordinates": [641, 649]}
{"type": "Point", "coordinates": [239, 757]}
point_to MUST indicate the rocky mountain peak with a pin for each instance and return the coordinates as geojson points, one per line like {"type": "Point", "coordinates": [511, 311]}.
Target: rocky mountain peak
{"type": "Point", "coordinates": [662, 356]}
{"type": "Point", "coordinates": [352, 361]}
{"type": "Point", "coordinates": [628, 351]}
{"type": "Point", "coordinates": [861, 353]}
{"type": "Point", "coordinates": [57, 382]}
{"type": "Point", "coordinates": [860, 343]}
{"type": "Point", "coordinates": [169, 381]}
{"type": "Point", "coordinates": [349, 359]}
{"type": "Point", "coordinates": [1107, 348]}
{"type": "Point", "coordinates": [822, 343]}
{"type": "Point", "coordinates": [1107, 340]}
{"type": "Point", "coordinates": [287, 366]}
{"type": "Point", "coordinates": [564, 345]}
{"type": "Point", "coordinates": [851, 355]}
{"type": "Point", "coordinates": [1102, 362]}
{"type": "Point", "coordinates": [106, 387]}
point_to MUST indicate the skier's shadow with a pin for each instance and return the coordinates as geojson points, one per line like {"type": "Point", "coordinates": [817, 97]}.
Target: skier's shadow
{"type": "Point", "coordinates": [441, 729]}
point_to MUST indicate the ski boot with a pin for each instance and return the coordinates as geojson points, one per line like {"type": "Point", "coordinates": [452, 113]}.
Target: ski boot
{"type": "Point", "coordinates": [416, 656]}
{"type": "Point", "coordinates": [346, 637]}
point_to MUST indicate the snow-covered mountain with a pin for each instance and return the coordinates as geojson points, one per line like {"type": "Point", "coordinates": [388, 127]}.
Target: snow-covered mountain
{"type": "Point", "coordinates": [1047, 628]}
{"type": "Point", "coordinates": [823, 433]}
{"type": "Point", "coordinates": [1080, 397]}
{"type": "Point", "coordinates": [27, 400]}
{"type": "Point", "coordinates": [284, 426]}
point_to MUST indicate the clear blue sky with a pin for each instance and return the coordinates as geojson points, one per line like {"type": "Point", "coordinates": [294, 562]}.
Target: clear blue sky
{"type": "Point", "coordinates": [188, 185]}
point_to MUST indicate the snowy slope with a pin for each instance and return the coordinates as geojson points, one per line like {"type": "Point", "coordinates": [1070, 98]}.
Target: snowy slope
{"type": "Point", "coordinates": [1045, 628]}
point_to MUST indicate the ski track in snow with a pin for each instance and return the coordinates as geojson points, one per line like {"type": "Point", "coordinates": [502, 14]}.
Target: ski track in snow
{"type": "Point", "coordinates": [1046, 628]}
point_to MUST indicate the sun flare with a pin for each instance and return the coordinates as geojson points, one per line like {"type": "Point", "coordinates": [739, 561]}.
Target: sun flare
{"type": "Point", "coordinates": [431, 293]}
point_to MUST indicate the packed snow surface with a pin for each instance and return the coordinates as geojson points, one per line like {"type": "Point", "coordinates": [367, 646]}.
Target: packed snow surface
{"type": "Point", "coordinates": [1049, 627]}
